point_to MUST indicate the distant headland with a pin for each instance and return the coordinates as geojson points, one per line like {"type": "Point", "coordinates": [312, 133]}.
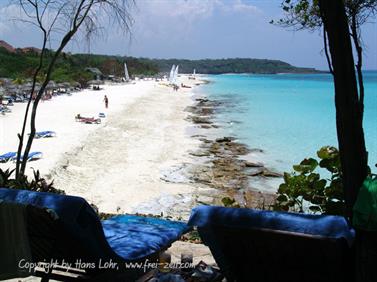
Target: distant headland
{"type": "Point", "coordinates": [20, 62]}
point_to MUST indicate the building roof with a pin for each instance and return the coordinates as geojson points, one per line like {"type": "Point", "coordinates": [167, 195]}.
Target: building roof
{"type": "Point", "coordinates": [31, 50]}
{"type": "Point", "coordinates": [94, 70]}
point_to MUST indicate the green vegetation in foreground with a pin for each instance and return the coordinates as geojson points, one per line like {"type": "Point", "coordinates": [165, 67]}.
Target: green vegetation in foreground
{"type": "Point", "coordinates": [305, 191]}
{"type": "Point", "coordinates": [70, 67]}
{"type": "Point", "coordinates": [237, 65]}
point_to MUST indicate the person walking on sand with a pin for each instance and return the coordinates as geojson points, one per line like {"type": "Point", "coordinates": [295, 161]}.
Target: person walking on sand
{"type": "Point", "coordinates": [106, 100]}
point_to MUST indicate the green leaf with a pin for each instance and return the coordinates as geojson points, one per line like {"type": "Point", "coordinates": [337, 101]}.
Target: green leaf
{"type": "Point", "coordinates": [282, 198]}
{"type": "Point", "coordinates": [327, 152]}
{"type": "Point", "coordinates": [306, 166]}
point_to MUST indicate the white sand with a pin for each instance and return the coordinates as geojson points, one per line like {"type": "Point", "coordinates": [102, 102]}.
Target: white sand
{"type": "Point", "coordinates": [116, 165]}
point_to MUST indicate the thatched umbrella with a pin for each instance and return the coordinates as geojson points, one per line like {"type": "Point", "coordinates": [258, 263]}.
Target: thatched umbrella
{"type": "Point", "coordinates": [51, 85]}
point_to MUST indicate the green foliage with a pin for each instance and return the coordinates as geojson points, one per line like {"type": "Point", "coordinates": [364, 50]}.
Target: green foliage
{"type": "Point", "coordinates": [37, 183]}
{"type": "Point", "coordinates": [304, 189]}
{"type": "Point", "coordinates": [305, 14]}
{"type": "Point", "coordinates": [230, 202]}
{"type": "Point", "coordinates": [219, 66]}
{"type": "Point", "coordinates": [70, 68]}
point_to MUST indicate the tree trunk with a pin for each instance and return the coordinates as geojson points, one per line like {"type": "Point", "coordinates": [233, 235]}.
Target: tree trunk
{"type": "Point", "coordinates": [349, 125]}
{"type": "Point", "coordinates": [349, 122]}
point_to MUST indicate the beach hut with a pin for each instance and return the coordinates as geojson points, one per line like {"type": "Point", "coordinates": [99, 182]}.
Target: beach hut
{"type": "Point", "coordinates": [97, 74]}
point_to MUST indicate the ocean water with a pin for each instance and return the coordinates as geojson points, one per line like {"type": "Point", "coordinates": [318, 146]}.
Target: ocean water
{"type": "Point", "coordinates": [289, 116]}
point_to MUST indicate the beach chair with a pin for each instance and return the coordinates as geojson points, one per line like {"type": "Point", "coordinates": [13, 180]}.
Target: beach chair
{"type": "Point", "coordinates": [45, 134]}
{"type": "Point", "coordinates": [67, 230]}
{"type": "Point", "coordinates": [255, 245]}
{"type": "Point", "coordinates": [33, 156]}
{"type": "Point", "coordinates": [7, 157]}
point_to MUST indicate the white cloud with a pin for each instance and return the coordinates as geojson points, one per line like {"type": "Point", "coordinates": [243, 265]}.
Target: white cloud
{"type": "Point", "coordinates": [239, 6]}
{"type": "Point", "coordinates": [176, 20]}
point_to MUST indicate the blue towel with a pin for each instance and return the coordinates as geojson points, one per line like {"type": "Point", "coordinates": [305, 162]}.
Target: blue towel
{"type": "Point", "coordinates": [123, 237]}
{"type": "Point", "coordinates": [135, 237]}
{"type": "Point", "coordinates": [321, 225]}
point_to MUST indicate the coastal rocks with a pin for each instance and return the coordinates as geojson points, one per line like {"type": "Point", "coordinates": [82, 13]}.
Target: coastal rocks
{"type": "Point", "coordinates": [201, 111]}
{"type": "Point", "coordinates": [226, 147]}
{"type": "Point", "coordinates": [199, 120]}
{"type": "Point", "coordinates": [200, 153]}
{"type": "Point", "coordinates": [265, 172]}
{"type": "Point", "coordinates": [175, 174]}
{"type": "Point", "coordinates": [251, 164]}
{"type": "Point", "coordinates": [220, 163]}
{"type": "Point", "coordinates": [169, 206]}
{"type": "Point", "coordinates": [253, 198]}
{"type": "Point", "coordinates": [225, 139]}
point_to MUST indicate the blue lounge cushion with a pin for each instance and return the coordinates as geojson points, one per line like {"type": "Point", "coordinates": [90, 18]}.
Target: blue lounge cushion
{"type": "Point", "coordinates": [319, 225]}
{"type": "Point", "coordinates": [249, 243]}
{"type": "Point", "coordinates": [123, 237]}
{"type": "Point", "coordinates": [43, 134]}
{"type": "Point", "coordinates": [7, 156]}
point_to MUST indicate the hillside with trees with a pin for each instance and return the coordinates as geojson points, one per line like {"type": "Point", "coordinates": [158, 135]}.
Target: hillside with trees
{"type": "Point", "coordinates": [236, 65]}
{"type": "Point", "coordinates": [71, 67]}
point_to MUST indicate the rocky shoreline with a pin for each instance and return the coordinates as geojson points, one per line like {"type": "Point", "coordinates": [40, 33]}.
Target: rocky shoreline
{"type": "Point", "coordinates": [220, 163]}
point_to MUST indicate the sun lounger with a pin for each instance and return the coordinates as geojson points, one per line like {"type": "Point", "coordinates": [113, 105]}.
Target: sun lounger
{"type": "Point", "coordinates": [45, 134]}
{"type": "Point", "coordinates": [7, 157]}
{"type": "Point", "coordinates": [5, 109]}
{"type": "Point", "coordinates": [254, 245]}
{"type": "Point", "coordinates": [76, 234]}
{"type": "Point", "coordinates": [31, 157]}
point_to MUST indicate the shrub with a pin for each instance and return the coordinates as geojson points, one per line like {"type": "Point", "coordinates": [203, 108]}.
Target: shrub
{"type": "Point", "coordinates": [37, 183]}
{"type": "Point", "coordinates": [305, 191]}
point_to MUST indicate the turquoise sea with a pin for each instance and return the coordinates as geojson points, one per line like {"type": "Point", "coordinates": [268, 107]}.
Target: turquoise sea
{"type": "Point", "coordinates": [289, 116]}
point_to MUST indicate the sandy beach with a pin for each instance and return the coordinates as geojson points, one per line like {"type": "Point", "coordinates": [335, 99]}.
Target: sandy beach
{"type": "Point", "coordinates": [116, 165]}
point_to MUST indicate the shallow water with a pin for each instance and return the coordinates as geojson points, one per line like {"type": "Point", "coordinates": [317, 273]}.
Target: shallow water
{"type": "Point", "coordinates": [289, 116]}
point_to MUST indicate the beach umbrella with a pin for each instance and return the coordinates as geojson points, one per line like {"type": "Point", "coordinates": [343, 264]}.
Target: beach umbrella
{"type": "Point", "coordinates": [51, 85]}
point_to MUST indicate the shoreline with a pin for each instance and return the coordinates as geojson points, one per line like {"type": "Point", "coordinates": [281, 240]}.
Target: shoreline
{"type": "Point", "coordinates": [126, 163]}
{"type": "Point", "coordinates": [223, 163]}
{"type": "Point", "coordinates": [157, 151]}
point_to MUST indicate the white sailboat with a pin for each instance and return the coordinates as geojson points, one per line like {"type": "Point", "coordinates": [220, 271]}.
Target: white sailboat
{"type": "Point", "coordinates": [192, 76]}
{"type": "Point", "coordinates": [126, 75]}
{"type": "Point", "coordinates": [171, 76]}
{"type": "Point", "coordinates": [175, 75]}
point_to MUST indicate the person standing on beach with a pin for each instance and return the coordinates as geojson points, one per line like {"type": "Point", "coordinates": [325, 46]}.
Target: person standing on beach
{"type": "Point", "coordinates": [106, 100]}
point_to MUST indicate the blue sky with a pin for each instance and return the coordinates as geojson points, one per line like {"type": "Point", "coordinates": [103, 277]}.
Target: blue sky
{"type": "Point", "coordinates": [196, 29]}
